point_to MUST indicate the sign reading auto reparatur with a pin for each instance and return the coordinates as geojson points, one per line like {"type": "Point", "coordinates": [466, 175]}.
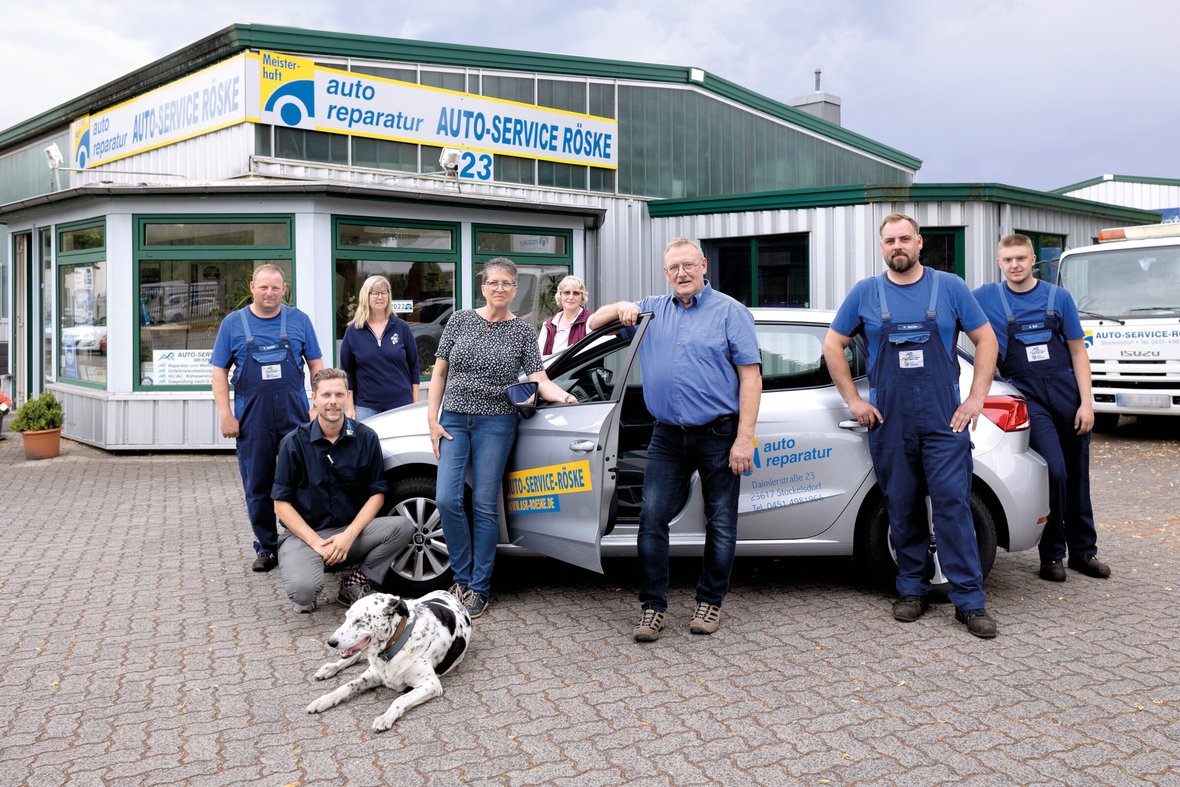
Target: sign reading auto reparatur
{"type": "Point", "coordinates": [296, 92]}
{"type": "Point", "coordinates": [539, 489]}
{"type": "Point", "coordinates": [211, 99]}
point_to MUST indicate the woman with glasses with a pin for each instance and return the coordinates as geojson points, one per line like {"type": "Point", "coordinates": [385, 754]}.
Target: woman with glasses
{"type": "Point", "coordinates": [473, 424]}
{"type": "Point", "coordinates": [569, 324]}
{"type": "Point", "coordinates": [378, 353]}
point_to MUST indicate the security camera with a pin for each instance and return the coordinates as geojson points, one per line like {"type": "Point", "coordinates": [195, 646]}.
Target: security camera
{"type": "Point", "coordinates": [54, 156]}
{"type": "Point", "coordinates": [449, 159]}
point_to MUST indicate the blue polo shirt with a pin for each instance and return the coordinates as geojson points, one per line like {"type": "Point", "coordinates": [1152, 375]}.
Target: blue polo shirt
{"type": "Point", "coordinates": [688, 356]}
{"type": "Point", "coordinates": [1028, 307]}
{"type": "Point", "coordinates": [381, 374]}
{"type": "Point", "coordinates": [328, 483]}
{"type": "Point", "coordinates": [956, 308]}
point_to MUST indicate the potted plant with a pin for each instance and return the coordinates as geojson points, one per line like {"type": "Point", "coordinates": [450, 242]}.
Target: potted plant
{"type": "Point", "coordinates": [39, 421]}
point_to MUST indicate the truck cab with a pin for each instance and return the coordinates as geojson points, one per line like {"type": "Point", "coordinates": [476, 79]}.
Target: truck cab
{"type": "Point", "coordinates": [1127, 290]}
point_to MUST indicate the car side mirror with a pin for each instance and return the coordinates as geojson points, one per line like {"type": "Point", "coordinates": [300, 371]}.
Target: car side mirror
{"type": "Point", "coordinates": [524, 398]}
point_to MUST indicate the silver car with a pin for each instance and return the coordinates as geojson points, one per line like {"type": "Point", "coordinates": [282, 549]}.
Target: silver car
{"type": "Point", "coordinates": [574, 483]}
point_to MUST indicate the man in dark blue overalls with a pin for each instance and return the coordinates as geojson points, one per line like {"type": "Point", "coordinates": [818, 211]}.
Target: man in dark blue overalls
{"type": "Point", "coordinates": [1043, 354]}
{"type": "Point", "coordinates": [911, 316]}
{"type": "Point", "coordinates": [266, 342]}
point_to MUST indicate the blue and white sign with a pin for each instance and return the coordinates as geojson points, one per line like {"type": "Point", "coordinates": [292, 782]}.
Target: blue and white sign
{"type": "Point", "coordinates": [296, 92]}
{"type": "Point", "coordinates": [211, 99]}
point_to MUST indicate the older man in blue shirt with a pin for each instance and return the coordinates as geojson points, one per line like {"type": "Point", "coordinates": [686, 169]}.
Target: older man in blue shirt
{"type": "Point", "coordinates": [703, 383]}
{"type": "Point", "coordinates": [328, 491]}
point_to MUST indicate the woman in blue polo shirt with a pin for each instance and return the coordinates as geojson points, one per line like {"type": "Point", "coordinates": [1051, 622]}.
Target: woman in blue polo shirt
{"type": "Point", "coordinates": [378, 353]}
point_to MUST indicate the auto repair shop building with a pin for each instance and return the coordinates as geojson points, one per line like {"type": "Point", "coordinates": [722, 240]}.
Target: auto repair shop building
{"type": "Point", "coordinates": [324, 154]}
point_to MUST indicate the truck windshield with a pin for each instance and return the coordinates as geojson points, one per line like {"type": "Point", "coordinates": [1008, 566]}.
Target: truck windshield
{"type": "Point", "coordinates": [1124, 282]}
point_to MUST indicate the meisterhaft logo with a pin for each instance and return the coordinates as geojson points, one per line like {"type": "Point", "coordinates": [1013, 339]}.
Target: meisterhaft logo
{"type": "Point", "coordinates": [294, 102]}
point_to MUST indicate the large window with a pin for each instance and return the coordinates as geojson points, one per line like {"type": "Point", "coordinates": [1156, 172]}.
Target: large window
{"type": "Point", "coordinates": [47, 333]}
{"type": "Point", "coordinates": [543, 258]}
{"type": "Point", "coordinates": [420, 259]}
{"type": "Point", "coordinates": [82, 303]}
{"type": "Point", "coordinates": [766, 270]}
{"type": "Point", "coordinates": [190, 273]}
{"type": "Point", "coordinates": [942, 249]}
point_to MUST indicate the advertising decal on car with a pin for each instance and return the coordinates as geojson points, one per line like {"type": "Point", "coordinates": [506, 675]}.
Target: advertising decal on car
{"type": "Point", "coordinates": [800, 486]}
{"type": "Point", "coordinates": [539, 489]}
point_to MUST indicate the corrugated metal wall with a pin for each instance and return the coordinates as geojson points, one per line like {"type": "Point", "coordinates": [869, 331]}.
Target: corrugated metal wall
{"type": "Point", "coordinates": [217, 156]}
{"type": "Point", "coordinates": [1148, 196]}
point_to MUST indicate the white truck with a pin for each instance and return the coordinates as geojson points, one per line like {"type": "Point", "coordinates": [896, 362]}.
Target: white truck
{"type": "Point", "coordinates": [1127, 289]}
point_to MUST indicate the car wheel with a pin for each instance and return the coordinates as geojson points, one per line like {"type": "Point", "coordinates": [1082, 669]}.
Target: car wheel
{"type": "Point", "coordinates": [424, 564]}
{"type": "Point", "coordinates": [875, 552]}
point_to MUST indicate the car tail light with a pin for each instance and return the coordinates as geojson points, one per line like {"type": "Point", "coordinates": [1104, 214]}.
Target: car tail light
{"type": "Point", "coordinates": [1010, 413]}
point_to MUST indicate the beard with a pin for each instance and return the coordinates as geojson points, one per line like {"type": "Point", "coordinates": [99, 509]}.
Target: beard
{"type": "Point", "coordinates": [900, 262]}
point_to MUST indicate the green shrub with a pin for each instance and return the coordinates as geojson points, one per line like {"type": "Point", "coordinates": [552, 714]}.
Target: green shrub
{"type": "Point", "coordinates": [38, 414]}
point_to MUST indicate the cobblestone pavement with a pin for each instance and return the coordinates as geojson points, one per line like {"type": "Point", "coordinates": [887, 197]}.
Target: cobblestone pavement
{"type": "Point", "coordinates": [139, 650]}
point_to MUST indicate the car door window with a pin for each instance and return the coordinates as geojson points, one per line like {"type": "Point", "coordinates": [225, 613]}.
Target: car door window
{"type": "Point", "coordinates": [793, 356]}
{"type": "Point", "coordinates": [593, 374]}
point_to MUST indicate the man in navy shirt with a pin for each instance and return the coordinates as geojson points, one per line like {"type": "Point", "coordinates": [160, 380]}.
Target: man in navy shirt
{"type": "Point", "coordinates": [1043, 354]}
{"type": "Point", "coordinates": [328, 490]}
{"type": "Point", "coordinates": [911, 316]}
{"type": "Point", "coordinates": [703, 383]}
{"type": "Point", "coordinates": [266, 342]}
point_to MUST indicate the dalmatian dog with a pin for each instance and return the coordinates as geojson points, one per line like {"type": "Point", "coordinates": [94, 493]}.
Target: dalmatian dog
{"type": "Point", "coordinates": [409, 644]}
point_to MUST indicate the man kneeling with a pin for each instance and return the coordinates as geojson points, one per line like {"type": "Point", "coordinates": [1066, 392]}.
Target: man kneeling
{"type": "Point", "coordinates": [327, 493]}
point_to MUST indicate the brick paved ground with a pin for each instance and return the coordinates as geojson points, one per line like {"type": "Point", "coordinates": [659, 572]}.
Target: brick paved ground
{"type": "Point", "coordinates": [139, 649]}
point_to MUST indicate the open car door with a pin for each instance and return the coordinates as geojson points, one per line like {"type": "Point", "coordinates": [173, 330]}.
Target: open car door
{"type": "Point", "coordinates": [560, 484]}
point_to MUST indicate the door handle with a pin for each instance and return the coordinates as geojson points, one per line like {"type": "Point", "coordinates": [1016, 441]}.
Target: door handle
{"type": "Point", "coordinates": [853, 425]}
{"type": "Point", "coordinates": [582, 446]}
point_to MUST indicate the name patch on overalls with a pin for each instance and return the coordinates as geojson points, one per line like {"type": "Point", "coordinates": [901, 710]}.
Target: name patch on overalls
{"type": "Point", "coordinates": [910, 359]}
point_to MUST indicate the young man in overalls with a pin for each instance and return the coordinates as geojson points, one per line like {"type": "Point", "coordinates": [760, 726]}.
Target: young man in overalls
{"type": "Point", "coordinates": [266, 342]}
{"type": "Point", "coordinates": [911, 317]}
{"type": "Point", "coordinates": [1043, 354]}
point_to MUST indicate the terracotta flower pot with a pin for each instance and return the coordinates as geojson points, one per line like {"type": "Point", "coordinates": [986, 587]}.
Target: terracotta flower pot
{"type": "Point", "coordinates": [42, 444]}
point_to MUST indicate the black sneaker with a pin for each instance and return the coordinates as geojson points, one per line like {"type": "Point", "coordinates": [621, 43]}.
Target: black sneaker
{"type": "Point", "coordinates": [265, 562]}
{"type": "Point", "coordinates": [477, 603]}
{"type": "Point", "coordinates": [1052, 572]}
{"type": "Point", "coordinates": [1089, 565]}
{"type": "Point", "coordinates": [907, 609]}
{"type": "Point", "coordinates": [977, 622]}
{"type": "Point", "coordinates": [350, 594]}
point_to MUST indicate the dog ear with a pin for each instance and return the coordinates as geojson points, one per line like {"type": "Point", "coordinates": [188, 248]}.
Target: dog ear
{"type": "Point", "coordinates": [396, 607]}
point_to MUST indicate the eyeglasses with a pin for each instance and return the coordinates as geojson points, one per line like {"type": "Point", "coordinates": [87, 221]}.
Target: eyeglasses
{"type": "Point", "coordinates": [379, 294]}
{"type": "Point", "coordinates": [499, 285]}
{"type": "Point", "coordinates": [687, 267]}
{"type": "Point", "coordinates": [571, 292]}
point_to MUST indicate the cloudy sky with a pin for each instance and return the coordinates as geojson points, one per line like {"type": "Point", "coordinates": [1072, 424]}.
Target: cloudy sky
{"type": "Point", "coordinates": [1034, 93]}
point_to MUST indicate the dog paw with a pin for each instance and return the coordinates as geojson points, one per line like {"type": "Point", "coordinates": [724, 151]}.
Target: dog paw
{"type": "Point", "coordinates": [384, 721]}
{"type": "Point", "coordinates": [326, 671]}
{"type": "Point", "coordinates": [319, 706]}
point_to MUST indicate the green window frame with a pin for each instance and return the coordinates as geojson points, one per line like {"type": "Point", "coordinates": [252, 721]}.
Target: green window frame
{"type": "Point", "coordinates": [81, 245]}
{"type": "Point", "coordinates": [417, 257]}
{"type": "Point", "coordinates": [209, 244]}
{"type": "Point", "coordinates": [1048, 247]}
{"type": "Point", "coordinates": [762, 270]}
{"type": "Point", "coordinates": [543, 257]}
{"type": "Point", "coordinates": [943, 248]}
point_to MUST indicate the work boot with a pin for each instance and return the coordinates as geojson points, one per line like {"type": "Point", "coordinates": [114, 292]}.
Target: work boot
{"type": "Point", "coordinates": [907, 609]}
{"type": "Point", "coordinates": [1089, 565]}
{"type": "Point", "coordinates": [1052, 572]}
{"type": "Point", "coordinates": [977, 622]}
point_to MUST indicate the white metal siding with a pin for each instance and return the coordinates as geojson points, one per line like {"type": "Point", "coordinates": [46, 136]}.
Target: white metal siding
{"type": "Point", "coordinates": [1147, 196]}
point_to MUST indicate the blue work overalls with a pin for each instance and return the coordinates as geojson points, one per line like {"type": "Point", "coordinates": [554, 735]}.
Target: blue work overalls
{"type": "Point", "coordinates": [269, 402]}
{"type": "Point", "coordinates": [915, 385]}
{"type": "Point", "coordinates": [1038, 364]}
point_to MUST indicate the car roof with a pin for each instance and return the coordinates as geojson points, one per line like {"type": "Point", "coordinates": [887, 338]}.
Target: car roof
{"type": "Point", "coordinates": [810, 316]}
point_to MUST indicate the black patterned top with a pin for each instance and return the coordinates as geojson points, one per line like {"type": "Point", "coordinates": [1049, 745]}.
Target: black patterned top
{"type": "Point", "coordinates": [483, 359]}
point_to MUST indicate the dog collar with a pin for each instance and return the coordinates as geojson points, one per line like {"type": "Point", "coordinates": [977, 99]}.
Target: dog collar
{"type": "Point", "coordinates": [400, 635]}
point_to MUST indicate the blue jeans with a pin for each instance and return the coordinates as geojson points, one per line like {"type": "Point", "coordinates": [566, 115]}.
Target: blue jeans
{"type": "Point", "coordinates": [483, 444]}
{"type": "Point", "coordinates": [365, 412]}
{"type": "Point", "coordinates": [672, 456]}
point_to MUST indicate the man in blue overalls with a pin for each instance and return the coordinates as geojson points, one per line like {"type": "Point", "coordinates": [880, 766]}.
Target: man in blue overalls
{"type": "Point", "coordinates": [911, 317]}
{"type": "Point", "coordinates": [266, 343]}
{"type": "Point", "coordinates": [1043, 354]}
